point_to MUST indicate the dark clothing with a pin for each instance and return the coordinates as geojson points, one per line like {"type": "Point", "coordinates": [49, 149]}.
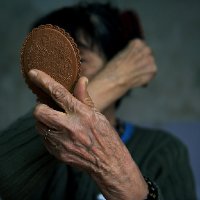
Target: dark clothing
{"type": "Point", "coordinates": [27, 171]}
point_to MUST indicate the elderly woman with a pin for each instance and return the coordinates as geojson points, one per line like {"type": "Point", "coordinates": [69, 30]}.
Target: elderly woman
{"type": "Point", "coordinates": [94, 155]}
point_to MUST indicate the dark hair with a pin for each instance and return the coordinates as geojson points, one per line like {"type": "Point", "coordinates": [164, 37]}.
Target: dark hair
{"type": "Point", "coordinates": [102, 24]}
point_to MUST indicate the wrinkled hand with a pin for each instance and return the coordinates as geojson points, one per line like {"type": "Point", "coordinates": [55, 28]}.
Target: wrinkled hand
{"type": "Point", "coordinates": [82, 137]}
{"type": "Point", "coordinates": [134, 66]}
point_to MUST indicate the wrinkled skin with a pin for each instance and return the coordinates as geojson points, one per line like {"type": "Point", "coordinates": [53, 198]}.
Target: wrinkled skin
{"type": "Point", "coordinates": [132, 67]}
{"type": "Point", "coordinates": [82, 137]}
{"type": "Point", "coordinates": [137, 63]}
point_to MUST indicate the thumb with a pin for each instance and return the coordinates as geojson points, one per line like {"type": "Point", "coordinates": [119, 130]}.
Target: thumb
{"type": "Point", "coordinates": [81, 93]}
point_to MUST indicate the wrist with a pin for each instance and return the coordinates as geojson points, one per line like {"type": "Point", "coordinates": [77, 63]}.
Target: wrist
{"type": "Point", "coordinates": [107, 88]}
{"type": "Point", "coordinates": [126, 183]}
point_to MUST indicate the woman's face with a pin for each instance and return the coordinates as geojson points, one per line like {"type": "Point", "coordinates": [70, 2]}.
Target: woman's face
{"type": "Point", "coordinates": [92, 60]}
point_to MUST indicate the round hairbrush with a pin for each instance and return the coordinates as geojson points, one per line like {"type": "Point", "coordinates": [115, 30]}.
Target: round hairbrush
{"type": "Point", "coordinates": [52, 50]}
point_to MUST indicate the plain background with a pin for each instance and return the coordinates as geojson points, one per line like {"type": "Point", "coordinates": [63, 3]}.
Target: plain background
{"type": "Point", "coordinates": [171, 101]}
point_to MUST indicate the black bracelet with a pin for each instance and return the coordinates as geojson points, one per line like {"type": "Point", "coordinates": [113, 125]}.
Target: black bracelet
{"type": "Point", "coordinates": [153, 190]}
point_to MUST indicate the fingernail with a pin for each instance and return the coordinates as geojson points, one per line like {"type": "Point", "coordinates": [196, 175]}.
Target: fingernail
{"type": "Point", "coordinates": [32, 73]}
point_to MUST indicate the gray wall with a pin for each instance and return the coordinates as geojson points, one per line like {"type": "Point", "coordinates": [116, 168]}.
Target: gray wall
{"type": "Point", "coordinates": [172, 29]}
{"type": "Point", "coordinates": [172, 100]}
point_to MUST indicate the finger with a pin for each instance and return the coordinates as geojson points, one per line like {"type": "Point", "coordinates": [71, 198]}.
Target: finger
{"type": "Point", "coordinates": [54, 89]}
{"type": "Point", "coordinates": [135, 49]}
{"type": "Point", "coordinates": [137, 45]}
{"type": "Point", "coordinates": [140, 49]}
{"type": "Point", "coordinates": [81, 93]}
{"type": "Point", "coordinates": [50, 137]}
{"type": "Point", "coordinates": [146, 79]}
{"type": "Point", "coordinates": [143, 53]}
{"type": "Point", "coordinates": [146, 64]}
{"type": "Point", "coordinates": [49, 117]}
{"type": "Point", "coordinates": [55, 120]}
{"type": "Point", "coordinates": [43, 130]}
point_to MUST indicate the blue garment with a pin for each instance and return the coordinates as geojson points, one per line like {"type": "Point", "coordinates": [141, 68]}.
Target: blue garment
{"type": "Point", "coordinates": [129, 130]}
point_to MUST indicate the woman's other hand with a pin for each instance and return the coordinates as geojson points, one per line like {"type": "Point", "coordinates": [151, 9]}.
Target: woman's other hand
{"type": "Point", "coordinates": [132, 67]}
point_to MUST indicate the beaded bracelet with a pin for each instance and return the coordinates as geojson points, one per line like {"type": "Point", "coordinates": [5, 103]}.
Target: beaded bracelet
{"type": "Point", "coordinates": [153, 190]}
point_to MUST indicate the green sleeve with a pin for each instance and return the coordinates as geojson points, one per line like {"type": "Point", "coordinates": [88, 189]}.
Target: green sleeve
{"type": "Point", "coordinates": [24, 162]}
{"type": "Point", "coordinates": [169, 166]}
{"type": "Point", "coordinates": [177, 181]}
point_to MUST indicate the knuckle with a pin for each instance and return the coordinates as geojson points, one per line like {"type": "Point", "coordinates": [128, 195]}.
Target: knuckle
{"type": "Point", "coordinates": [38, 110]}
{"type": "Point", "coordinates": [57, 92]}
{"type": "Point", "coordinates": [89, 102]}
{"type": "Point", "coordinates": [148, 50]}
{"type": "Point", "coordinates": [150, 60]}
{"type": "Point", "coordinates": [155, 71]}
{"type": "Point", "coordinates": [89, 115]}
{"type": "Point", "coordinates": [138, 43]}
{"type": "Point", "coordinates": [46, 81]}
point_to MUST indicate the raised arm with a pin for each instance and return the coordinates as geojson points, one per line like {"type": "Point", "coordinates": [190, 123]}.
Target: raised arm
{"type": "Point", "coordinates": [132, 67]}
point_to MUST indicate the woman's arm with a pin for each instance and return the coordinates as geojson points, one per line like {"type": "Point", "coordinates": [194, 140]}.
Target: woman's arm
{"type": "Point", "coordinates": [132, 67]}
{"type": "Point", "coordinates": [82, 137]}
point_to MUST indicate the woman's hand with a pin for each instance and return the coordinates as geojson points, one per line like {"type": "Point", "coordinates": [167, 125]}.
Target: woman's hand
{"type": "Point", "coordinates": [132, 67]}
{"type": "Point", "coordinates": [82, 137]}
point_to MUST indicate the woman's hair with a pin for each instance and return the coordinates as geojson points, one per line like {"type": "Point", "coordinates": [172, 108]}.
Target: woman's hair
{"type": "Point", "coordinates": [101, 24]}
{"type": "Point", "coordinates": [104, 25]}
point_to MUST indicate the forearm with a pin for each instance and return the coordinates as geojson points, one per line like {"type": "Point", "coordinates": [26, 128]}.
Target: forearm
{"type": "Point", "coordinates": [123, 181]}
{"type": "Point", "coordinates": [105, 90]}
{"type": "Point", "coordinates": [132, 67]}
